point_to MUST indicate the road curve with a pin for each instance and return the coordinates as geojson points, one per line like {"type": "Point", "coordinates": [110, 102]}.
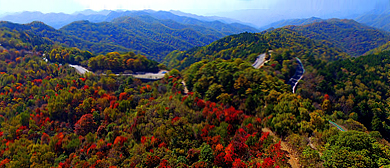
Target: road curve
{"type": "Point", "coordinates": [259, 61]}
{"type": "Point", "coordinates": [148, 76]}
{"type": "Point", "coordinates": [297, 76]}
{"type": "Point", "coordinates": [79, 69]}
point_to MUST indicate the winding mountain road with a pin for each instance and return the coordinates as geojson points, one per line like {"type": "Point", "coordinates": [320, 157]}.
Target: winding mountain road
{"type": "Point", "coordinates": [147, 76]}
{"type": "Point", "coordinates": [297, 76]}
{"type": "Point", "coordinates": [259, 61]}
{"type": "Point", "coordinates": [79, 69]}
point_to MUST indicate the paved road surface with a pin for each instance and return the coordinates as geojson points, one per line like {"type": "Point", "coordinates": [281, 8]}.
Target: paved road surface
{"type": "Point", "coordinates": [79, 69]}
{"type": "Point", "coordinates": [159, 75]}
{"type": "Point", "coordinates": [185, 87]}
{"type": "Point", "coordinates": [259, 61]}
{"type": "Point", "coordinates": [297, 76]}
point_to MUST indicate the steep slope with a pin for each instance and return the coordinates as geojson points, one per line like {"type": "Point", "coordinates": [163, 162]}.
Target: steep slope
{"type": "Point", "coordinates": [352, 37]}
{"type": "Point", "coordinates": [21, 40]}
{"type": "Point", "coordinates": [227, 28]}
{"type": "Point", "coordinates": [248, 45]}
{"type": "Point", "coordinates": [385, 47]}
{"type": "Point", "coordinates": [146, 34]}
{"type": "Point", "coordinates": [380, 21]}
{"type": "Point", "coordinates": [41, 30]}
{"type": "Point", "coordinates": [357, 87]}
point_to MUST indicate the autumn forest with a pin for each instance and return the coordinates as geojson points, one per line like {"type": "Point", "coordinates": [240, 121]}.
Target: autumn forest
{"type": "Point", "coordinates": [212, 108]}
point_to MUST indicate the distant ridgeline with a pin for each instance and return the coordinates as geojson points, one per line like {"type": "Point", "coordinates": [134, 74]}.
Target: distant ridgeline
{"type": "Point", "coordinates": [350, 36]}
{"type": "Point", "coordinates": [154, 34]}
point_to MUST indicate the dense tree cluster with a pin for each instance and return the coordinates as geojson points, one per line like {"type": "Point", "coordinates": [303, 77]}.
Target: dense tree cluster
{"type": "Point", "coordinates": [122, 62]}
{"type": "Point", "coordinates": [148, 34]}
{"type": "Point", "coordinates": [356, 88]}
{"type": "Point", "coordinates": [384, 47]}
{"type": "Point", "coordinates": [350, 36]}
{"type": "Point", "coordinates": [248, 46]}
{"type": "Point", "coordinates": [69, 55]}
{"type": "Point", "coordinates": [51, 116]}
{"type": "Point", "coordinates": [234, 83]}
{"type": "Point", "coordinates": [298, 120]}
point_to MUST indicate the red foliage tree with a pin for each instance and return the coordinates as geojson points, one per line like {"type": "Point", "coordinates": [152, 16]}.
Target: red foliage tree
{"type": "Point", "coordinates": [120, 140]}
{"type": "Point", "coordinates": [85, 125]}
{"type": "Point", "coordinates": [123, 96]}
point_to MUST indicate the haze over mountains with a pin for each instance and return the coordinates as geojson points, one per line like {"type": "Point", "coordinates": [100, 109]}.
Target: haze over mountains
{"type": "Point", "coordinates": [377, 17]}
{"type": "Point", "coordinates": [254, 13]}
{"type": "Point", "coordinates": [153, 33]}
{"type": "Point", "coordinates": [58, 20]}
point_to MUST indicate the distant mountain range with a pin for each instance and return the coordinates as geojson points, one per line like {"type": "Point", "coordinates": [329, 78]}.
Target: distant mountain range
{"type": "Point", "coordinates": [353, 37]}
{"type": "Point", "coordinates": [154, 34]}
{"type": "Point", "coordinates": [381, 21]}
{"type": "Point", "coordinates": [294, 22]}
{"type": "Point", "coordinates": [58, 20]}
{"type": "Point", "coordinates": [379, 18]}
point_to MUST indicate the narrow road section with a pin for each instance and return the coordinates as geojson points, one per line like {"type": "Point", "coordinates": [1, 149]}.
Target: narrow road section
{"type": "Point", "coordinates": [337, 126]}
{"type": "Point", "coordinates": [79, 69]}
{"type": "Point", "coordinates": [158, 75]}
{"type": "Point", "coordinates": [185, 87]}
{"type": "Point", "coordinates": [259, 61]}
{"type": "Point", "coordinates": [150, 76]}
{"type": "Point", "coordinates": [297, 76]}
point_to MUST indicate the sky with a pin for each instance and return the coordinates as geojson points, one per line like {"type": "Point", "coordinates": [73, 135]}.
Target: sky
{"type": "Point", "coordinates": [192, 6]}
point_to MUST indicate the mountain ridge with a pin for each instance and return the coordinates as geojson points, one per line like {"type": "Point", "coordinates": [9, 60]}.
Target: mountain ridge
{"type": "Point", "coordinates": [58, 20]}
{"type": "Point", "coordinates": [352, 37]}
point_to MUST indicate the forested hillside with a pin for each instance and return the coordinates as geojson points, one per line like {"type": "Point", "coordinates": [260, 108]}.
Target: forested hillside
{"type": "Point", "coordinates": [41, 30]}
{"type": "Point", "coordinates": [154, 34]}
{"type": "Point", "coordinates": [248, 46]}
{"type": "Point", "coordinates": [59, 20]}
{"type": "Point", "coordinates": [292, 22]}
{"type": "Point", "coordinates": [53, 117]}
{"type": "Point", "coordinates": [348, 35]}
{"type": "Point", "coordinates": [21, 40]}
{"type": "Point", "coordinates": [327, 93]}
{"type": "Point", "coordinates": [380, 21]}
{"type": "Point", "coordinates": [357, 89]}
{"type": "Point", "coordinates": [152, 38]}
{"type": "Point", "coordinates": [385, 47]}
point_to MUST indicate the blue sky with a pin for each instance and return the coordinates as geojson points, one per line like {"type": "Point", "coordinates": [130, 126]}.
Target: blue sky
{"type": "Point", "coordinates": [71, 6]}
{"type": "Point", "coordinates": [192, 6]}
